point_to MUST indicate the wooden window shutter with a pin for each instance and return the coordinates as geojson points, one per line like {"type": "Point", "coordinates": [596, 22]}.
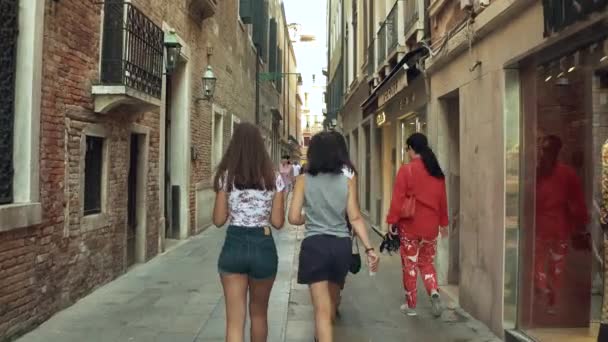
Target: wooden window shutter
{"type": "Point", "coordinates": [272, 46]}
{"type": "Point", "coordinates": [246, 10]}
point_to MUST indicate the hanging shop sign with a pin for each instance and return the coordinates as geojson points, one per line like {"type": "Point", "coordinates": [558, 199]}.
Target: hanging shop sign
{"type": "Point", "coordinates": [393, 88]}
{"type": "Point", "coordinates": [380, 119]}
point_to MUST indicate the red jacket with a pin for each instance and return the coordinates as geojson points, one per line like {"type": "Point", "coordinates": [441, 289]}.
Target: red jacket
{"type": "Point", "coordinates": [560, 204]}
{"type": "Point", "coordinates": [431, 202]}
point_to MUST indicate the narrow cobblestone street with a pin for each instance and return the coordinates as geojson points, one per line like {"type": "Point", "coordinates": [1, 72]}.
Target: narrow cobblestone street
{"type": "Point", "coordinates": [177, 297]}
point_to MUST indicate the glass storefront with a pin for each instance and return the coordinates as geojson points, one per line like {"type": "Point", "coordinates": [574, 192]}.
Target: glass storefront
{"type": "Point", "coordinates": [408, 125]}
{"type": "Point", "coordinates": [564, 127]}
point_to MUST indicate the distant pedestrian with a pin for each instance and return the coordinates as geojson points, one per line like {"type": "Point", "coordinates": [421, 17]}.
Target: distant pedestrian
{"type": "Point", "coordinates": [297, 169]}
{"type": "Point", "coordinates": [249, 195]}
{"type": "Point", "coordinates": [326, 193]}
{"type": "Point", "coordinates": [418, 210]}
{"type": "Point", "coordinates": [286, 170]}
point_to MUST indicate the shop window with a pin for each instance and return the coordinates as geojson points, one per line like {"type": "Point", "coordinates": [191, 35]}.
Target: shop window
{"type": "Point", "coordinates": [565, 129]}
{"type": "Point", "coordinates": [21, 85]}
{"type": "Point", "coordinates": [93, 173]}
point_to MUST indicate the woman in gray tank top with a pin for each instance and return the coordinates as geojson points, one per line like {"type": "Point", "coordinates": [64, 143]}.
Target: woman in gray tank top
{"type": "Point", "coordinates": [326, 193]}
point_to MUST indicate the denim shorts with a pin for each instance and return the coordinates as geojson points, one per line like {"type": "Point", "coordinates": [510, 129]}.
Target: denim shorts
{"type": "Point", "coordinates": [248, 251]}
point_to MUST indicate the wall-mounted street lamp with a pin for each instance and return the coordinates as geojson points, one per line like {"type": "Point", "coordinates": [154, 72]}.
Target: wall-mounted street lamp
{"type": "Point", "coordinates": [209, 81]}
{"type": "Point", "coordinates": [173, 51]}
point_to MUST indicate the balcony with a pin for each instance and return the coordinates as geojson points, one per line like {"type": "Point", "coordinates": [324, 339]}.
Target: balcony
{"type": "Point", "coordinates": [371, 59]}
{"type": "Point", "coordinates": [388, 36]}
{"type": "Point", "coordinates": [560, 14]}
{"type": "Point", "coordinates": [381, 43]}
{"type": "Point", "coordinates": [392, 29]}
{"type": "Point", "coordinates": [203, 9]}
{"type": "Point", "coordinates": [411, 15]}
{"type": "Point", "coordinates": [131, 61]}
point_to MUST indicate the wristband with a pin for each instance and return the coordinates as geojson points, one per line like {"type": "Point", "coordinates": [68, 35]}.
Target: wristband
{"type": "Point", "coordinates": [367, 250]}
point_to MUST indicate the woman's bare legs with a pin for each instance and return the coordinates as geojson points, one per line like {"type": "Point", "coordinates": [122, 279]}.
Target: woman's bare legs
{"type": "Point", "coordinates": [259, 294]}
{"type": "Point", "coordinates": [235, 293]}
{"type": "Point", "coordinates": [334, 292]}
{"type": "Point", "coordinates": [321, 300]}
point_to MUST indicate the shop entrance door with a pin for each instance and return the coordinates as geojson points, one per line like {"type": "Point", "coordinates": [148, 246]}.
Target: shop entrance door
{"type": "Point", "coordinates": [453, 179]}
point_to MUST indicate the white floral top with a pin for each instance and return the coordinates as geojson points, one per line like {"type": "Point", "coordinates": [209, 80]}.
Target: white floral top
{"type": "Point", "coordinates": [250, 207]}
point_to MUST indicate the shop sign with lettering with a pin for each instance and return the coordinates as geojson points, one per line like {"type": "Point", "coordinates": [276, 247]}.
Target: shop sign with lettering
{"type": "Point", "coordinates": [392, 89]}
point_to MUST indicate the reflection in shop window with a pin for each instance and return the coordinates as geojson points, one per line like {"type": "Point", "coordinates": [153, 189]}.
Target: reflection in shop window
{"type": "Point", "coordinates": [563, 299]}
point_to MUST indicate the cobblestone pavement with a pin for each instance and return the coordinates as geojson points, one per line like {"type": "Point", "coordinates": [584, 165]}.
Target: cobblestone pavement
{"type": "Point", "coordinates": [177, 297]}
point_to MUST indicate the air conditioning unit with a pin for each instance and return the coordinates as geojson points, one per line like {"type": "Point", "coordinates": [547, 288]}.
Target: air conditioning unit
{"type": "Point", "coordinates": [466, 4]}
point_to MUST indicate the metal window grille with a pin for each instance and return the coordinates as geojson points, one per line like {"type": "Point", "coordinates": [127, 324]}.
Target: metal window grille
{"type": "Point", "coordinates": [132, 49]}
{"type": "Point", "coordinates": [8, 61]}
{"type": "Point", "coordinates": [93, 168]}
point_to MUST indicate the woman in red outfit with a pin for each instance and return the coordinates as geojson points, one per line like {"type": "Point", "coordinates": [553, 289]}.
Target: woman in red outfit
{"type": "Point", "coordinates": [423, 178]}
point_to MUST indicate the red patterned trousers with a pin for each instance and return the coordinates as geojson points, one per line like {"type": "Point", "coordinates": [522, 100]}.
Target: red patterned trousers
{"type": "Point", "coordinates": [549, 263]}
{"type": "Point", "coordinates": [417, 254]}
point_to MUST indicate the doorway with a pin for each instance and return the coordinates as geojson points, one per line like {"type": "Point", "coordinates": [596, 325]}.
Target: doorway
{"type": "Point", "coordinates": [449, 249]}
{"type": "Point", "coordinates": [136, 215]}
{"type": "Point", "coordinates": [368, 169]}
{"type": "Point", "coordinates": [177, 156]}
{"type": "Point", "coordinates": [172, 221]}
{"type": "Point", "coordinates": [377, 146]}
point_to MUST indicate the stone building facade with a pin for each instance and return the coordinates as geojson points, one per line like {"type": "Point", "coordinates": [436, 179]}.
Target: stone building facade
{"type": "Point", "coordinates": [513, 84]}
{"type": "Point", "coordinates": [106, 153]}
{"type": "Point", "coordinates": [507, 92]}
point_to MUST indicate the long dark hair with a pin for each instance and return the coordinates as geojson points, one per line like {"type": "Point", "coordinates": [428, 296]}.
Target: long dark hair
{"type": "Point", "coordinates": [343, 149]}
{"type": "Point", "coordinates": [420, 144]}
{"type": "Point", "coordinates": [326, 154]}
{"type": "Point", "coordinates": [246, 163]}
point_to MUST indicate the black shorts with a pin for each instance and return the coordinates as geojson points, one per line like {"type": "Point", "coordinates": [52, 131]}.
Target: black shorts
{"type": "Point", "coordinates": [324, 258]}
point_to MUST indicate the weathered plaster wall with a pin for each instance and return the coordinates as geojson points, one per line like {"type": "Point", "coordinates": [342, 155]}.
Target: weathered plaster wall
{"type": "Point", "coordinates": [482, 153]}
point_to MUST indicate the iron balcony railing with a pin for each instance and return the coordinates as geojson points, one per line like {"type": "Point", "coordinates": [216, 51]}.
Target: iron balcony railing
{"type": "Point", "coordinates": [132, 49]}
{"type": "Point", "coordinates": [411, 14]}
{"type": "Point", "coordinates": [392, 29]}
{"type": "Point", "coordinates": [371, 58]}
{"type": "Point", "coordinates": [381, 43]}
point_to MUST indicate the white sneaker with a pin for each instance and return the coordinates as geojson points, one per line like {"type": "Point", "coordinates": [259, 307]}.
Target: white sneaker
{"type": "Point", "coordinates": [436, 307]}
{"type": "Point", "coordinates": [407, 311]}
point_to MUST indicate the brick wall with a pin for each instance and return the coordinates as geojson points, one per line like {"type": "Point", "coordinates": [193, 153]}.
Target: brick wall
{"type": "Point", "coordinates": [50, 266]}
